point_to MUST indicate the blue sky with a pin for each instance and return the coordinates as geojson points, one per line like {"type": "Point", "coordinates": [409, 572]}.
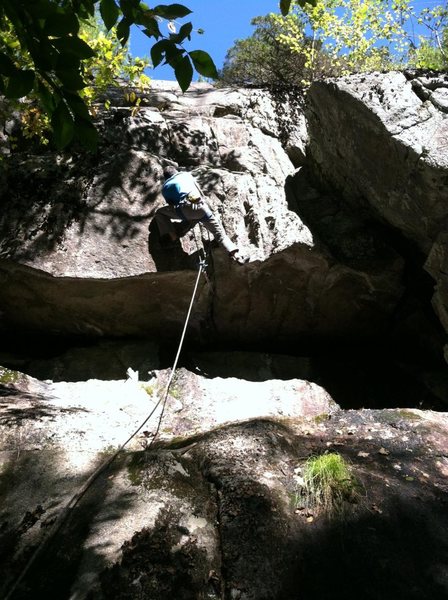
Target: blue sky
{"type": "Point", "coordinates": [223, 22]}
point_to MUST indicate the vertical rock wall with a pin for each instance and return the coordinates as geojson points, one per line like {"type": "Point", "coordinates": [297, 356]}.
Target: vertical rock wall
{"type": "Point", "coordinates": [79, 253]}
{"type": "Point", "coordinates": [381, 142]}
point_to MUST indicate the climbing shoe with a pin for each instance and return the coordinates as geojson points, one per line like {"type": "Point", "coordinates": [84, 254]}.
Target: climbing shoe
{"type": "Point", "coordinates": [241, 259]}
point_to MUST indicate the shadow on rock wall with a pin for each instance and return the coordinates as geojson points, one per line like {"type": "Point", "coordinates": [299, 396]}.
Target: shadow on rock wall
{"type": "Point", "coordinates": [368, 376]}
{"type": "Point", "coordinates": [172, 256]}
{"type": "Point", "coordinates": [391, 544]}
{"type": "Point", "coordinates": [353, 238]}
{"type": "Point", "coordinates": [16, 409]}
{"type": "Point", "coordinates": [159, 563]}
{"type": "Point", "coordinates": [42, 197]}
{"type": "Point", "coordinates": [40, 477]}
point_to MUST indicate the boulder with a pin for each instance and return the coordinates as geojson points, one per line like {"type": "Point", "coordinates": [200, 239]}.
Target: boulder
{"type": "Point", "coordinates": [379, 141]}
{"type": "Point", "coordinates": [375, 141]}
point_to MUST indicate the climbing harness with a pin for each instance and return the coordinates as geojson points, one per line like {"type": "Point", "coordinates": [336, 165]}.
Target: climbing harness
{"type": "Point", "coordinates": [94, 476]}
{"type": "Point", "coordinates": [204, 253]}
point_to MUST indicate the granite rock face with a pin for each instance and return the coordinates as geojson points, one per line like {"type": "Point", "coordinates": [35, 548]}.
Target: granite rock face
{"type": "Point", "coordinates": [376, 141]}
{"type": "Point", "coordinates": [80, 254]}
{"type": "Point", "coordinates": [217, 508]}
{"type": "Point", "coordinates": [380, 141]}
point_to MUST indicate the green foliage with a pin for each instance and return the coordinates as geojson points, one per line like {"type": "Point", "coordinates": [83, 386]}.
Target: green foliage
{"type": "Point", "coordinates": [334, 37]}
{"type": "Point", "coordinates": [322, 418]}
{"type": "Point", "coordinates": [357, 35]}
{"type": "Point", "coordinates": [327, 484]}
{"type": "Point", "coordinates": [149, 388]}
{"type": "Point", "coordinates": [431, 50]}
{"type": "Point", "coordinates": [8, 376]}
{"type": "Point", "coordinates": [427, 56]}
{"type": "Point", "coordinates": [44, 54]}
{"type": "Point", "coordinates": [367, 35]}
{"type": "Point", "coordinates": [110, 63]}
{"type": "Point", "coordinates": [285, 5]}
{"type": "Point", "coordinates": [265, 59]}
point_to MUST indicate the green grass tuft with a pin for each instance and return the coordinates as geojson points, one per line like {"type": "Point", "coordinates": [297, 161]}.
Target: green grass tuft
{"type": "Point", "coordinates": [7, 376]}
{"type": "Point", "coordinates": [321, 418]}
{"type": "Point", "coordinates": [328, 484]}
{"type": "Point", "coordinates": [409, 415]}
{"type": "Point", "coordinates": [149, 388]}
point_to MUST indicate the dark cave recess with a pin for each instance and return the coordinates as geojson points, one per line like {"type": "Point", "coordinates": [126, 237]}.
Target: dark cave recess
{"type": "Point", "coordinates": [357, 374]}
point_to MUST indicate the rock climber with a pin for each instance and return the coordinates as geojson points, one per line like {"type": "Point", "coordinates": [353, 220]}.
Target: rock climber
{"type": "Point", "coordinates": [185, 201]}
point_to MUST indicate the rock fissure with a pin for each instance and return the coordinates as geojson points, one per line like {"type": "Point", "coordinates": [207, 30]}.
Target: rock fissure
{"type": "Point", "coordinates": [219, 578]}
{"type": "Point", "coordinates": [411, 126]}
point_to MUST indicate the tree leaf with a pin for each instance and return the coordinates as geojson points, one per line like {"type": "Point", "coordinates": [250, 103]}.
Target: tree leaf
{"type": "Point", "coordinates": [77, 106]}
{"type": "Point", "coordinates": [157, 52]}
{"type": "Point", "coordinates": [63, 126]}
{"type": "Point", "coordinates": [130, 9]}
{"type": "Point", "coordinates": [42, 9]}
{"type": "Point", "coordinates": [20, 83]}
{"type": "Point", "coordinates": [7, 67]}
{"type": "Point", "coordinates": [184, 32]}
{"type": "Point", "coordinates": [183, 71]}
{"type": "Point", "coordinates": [203, 64]}
{"type": "Point", "coordinates": [66, 60]}
{"type": "Point", "coordinates": [46, 97]}
{"type": "Point", "coordinates": [86, 9]}
{"type": "Point", "coordinates": [123, 30]}
{"type": "Point", "coordinates": [71, 79]}
{"type": "Point", "coordinates": [109, 12]}
{"type": "Point", "coordinates": [61, 23]}
{"type": "Point", "coordinates": [74, 45]}
{"type": "Point", "coordinates": [165, 49]}
{"type": "Point", "coordinates": [44, 55]}
{"type": "Point", "coordinates": [285, 6]}
{"type": "Point", "coordinates": [171, 11]}
{"type": "Point", "coordinates": [86, 133]}
{"type": "Point", "coordinates": [152, 27]}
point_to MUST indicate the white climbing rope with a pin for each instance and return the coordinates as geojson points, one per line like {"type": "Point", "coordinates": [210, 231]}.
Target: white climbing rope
{"type": "Point", "coordinates": [202, 266]}
{"type": "Point", "coordinates": [80, 493]}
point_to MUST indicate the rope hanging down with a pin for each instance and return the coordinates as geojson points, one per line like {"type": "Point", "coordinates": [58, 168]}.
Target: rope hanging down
{"type": "Point", "coordinates": [202, 266]}
{"type": "Point", "coordinates": [94, 476]}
